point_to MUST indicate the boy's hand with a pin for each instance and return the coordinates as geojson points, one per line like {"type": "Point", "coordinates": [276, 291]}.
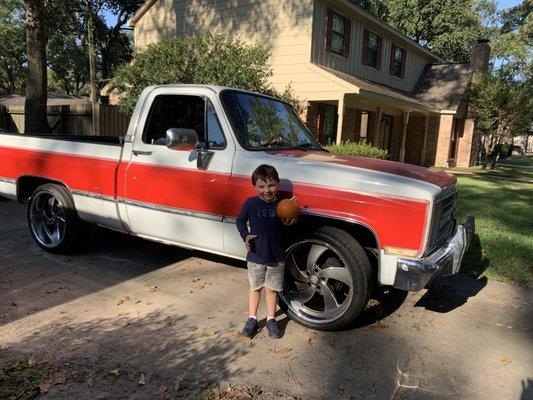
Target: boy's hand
{"type": "Point", "coordinates": [247, 241]}
{"type": "Point", "coordinates": [288, 221]}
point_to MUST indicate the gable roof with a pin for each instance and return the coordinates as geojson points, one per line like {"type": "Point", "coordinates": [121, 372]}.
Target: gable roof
{"type": "Point", "coordinates": [443, 84]}
{"type": "Point", "coordinates": [140, 12]}
{"type": "Point", "coordinates": [373, 89]}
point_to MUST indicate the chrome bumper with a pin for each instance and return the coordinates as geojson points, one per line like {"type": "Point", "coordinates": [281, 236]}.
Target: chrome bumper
{"type": "Point", "coordinates": [415, 274]}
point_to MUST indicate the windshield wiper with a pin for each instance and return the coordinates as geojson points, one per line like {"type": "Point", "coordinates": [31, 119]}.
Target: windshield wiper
{"type": "Point", "coordinates": [274, 143]}
{"type": "Point", "coordinates": [307, 146]}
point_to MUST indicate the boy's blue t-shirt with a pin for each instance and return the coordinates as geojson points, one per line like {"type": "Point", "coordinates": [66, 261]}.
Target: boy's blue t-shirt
{"type": "Point", "coordinates": [267, 247]}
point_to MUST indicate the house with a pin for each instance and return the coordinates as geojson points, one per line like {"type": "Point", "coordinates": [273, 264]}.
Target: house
{"type": "Point", "coordinates": [361, 80]}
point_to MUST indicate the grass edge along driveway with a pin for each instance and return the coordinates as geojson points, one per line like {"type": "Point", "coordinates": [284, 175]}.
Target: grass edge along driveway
{"type": "Point", "coordinates": [502, 245]}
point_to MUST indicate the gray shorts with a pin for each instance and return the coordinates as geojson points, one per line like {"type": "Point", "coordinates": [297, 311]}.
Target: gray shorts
{"type": "Point", "coordinates": [268, 274]}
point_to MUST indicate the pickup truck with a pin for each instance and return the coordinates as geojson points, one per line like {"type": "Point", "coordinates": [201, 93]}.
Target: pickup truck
{"type": "Point", "coordinates": [182, 171]}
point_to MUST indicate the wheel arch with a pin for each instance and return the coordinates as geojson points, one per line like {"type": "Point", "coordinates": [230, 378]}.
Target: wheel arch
{"type": "Point", "coordinates": [26, 184]}
{"type": "Point", "coordinates": [362, 232]}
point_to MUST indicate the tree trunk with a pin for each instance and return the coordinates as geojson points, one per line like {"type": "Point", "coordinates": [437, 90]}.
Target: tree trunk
{"type": "Point", "coordinates": [36, 85]}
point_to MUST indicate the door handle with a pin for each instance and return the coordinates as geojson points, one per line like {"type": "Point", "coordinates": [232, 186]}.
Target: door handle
{"type": "Point", "coordinates": [141, 153]}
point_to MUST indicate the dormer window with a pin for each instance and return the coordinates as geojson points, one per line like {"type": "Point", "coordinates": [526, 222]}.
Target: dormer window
{"type": "Point", "coordinates": [397, 61]}
{"type": "Point", "coordinates": [338, 29]}
{"type": "Point", "coordinates": [372, 49]}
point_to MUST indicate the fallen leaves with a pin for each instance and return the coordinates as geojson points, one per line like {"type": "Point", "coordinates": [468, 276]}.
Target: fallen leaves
{"type": "Point", "coordinates": [504, 361]}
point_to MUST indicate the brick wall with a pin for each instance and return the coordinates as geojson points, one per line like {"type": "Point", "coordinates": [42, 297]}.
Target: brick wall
{"type": "Point", "coordinates": [443, 140]}
{"type": "Point", "coordinates": [348, 124]}
{"type": "Point", "coordinates": [414, 139]}
{"type": "Point", "coordinates": [464, 145]}
{"type": "Point", "coordinates": [310, 117]}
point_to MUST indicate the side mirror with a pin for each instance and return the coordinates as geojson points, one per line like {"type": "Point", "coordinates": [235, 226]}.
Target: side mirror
{"type": "Point", "coordinates": [181, 139]}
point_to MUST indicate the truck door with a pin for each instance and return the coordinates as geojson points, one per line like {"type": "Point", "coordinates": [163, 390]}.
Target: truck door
{"type": "Point", "coordinates": [168, 196]}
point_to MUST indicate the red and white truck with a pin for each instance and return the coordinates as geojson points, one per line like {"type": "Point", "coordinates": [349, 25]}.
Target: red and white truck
{"type": "Point", "coordinates": [182, 171]}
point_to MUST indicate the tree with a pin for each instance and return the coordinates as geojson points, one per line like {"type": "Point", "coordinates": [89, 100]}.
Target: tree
{"type": "Point", "coordinates": [446, 27]}
{"type": "Point", "coordinates": [209, 59]}
{"type": "Point", "coordinates": [503, 108]}
{"type": "Point", "coordinates": [36, 86]}
{"type": "Point", "coordinates": [12, 47]}
{"type": "Point", "coordinates": [68, 24]}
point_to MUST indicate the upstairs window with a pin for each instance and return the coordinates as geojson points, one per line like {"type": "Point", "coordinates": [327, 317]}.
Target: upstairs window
{"type": "Point", "coordinates": [338, 30]}
{"type": "Point", "coordinates": [372, 49]}
{"type": "Point", "coordinates": [397, 61]}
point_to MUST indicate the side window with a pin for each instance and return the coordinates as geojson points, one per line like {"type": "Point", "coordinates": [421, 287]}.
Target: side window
{"type": "Point", "coordinates": [215, 137]}
{"type": "Point", "coordinates": [172, 111]}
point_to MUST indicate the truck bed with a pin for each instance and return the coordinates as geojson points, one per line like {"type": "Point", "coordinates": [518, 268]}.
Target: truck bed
{"type": "Point", "coordinates": [86, 165]}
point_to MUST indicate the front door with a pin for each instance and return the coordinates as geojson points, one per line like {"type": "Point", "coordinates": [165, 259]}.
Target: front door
{"type": "Point", "coordinates": [168, 197]}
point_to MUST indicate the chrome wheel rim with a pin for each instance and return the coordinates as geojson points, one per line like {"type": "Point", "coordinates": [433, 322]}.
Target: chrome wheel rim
{"type": "Point", "coordinates": [318, 284]}
{"type": "Point", "coordinates": [47, 220]}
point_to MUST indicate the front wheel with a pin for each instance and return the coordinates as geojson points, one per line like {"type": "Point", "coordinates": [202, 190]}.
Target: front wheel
{"type": "Point", "coordinates": [54, 223]}
{"type": "Point", "coordinates": [327, 279]}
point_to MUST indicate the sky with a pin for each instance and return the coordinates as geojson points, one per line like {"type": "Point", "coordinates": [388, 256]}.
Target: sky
{"type": "Point", "coordinates": [502, 4]}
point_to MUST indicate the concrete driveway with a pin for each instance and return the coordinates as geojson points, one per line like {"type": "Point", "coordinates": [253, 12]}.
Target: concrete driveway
{"type": "Point", "coordinates": [128, 318]}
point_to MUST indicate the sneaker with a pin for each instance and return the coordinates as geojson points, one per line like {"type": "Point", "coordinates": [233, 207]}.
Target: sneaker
{"type": "Point", "coordinates": [250, 328]}
{"type": "Point", "coordinates": [272, 329]}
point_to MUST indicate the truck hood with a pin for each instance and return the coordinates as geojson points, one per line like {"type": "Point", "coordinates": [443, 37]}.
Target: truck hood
{"type": "Point", "coordinates": [360, 174]}
{"type": "Point", "coordinates": [438, 178]}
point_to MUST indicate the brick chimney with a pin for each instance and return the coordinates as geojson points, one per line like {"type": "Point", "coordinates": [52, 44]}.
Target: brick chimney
{"type": "Point", "coordinates": [479, 56]}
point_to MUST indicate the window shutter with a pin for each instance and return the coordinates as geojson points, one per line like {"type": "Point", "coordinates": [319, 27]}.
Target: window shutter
{"type": "Point", "coordinates": [403, 62]}
{"type": "Point", "coordinates": [366, 38]}
{"type": "Point", "coordinates": [391, 65]}
{"type": "Point", "coordinates": [347, 34]}
{"type": "Point", "coordinates": [329, 28]}
{"type": "Point", "coordinates": [378, 61]}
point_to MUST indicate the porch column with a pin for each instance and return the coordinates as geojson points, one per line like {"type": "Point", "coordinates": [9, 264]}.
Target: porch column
{"type": "Point", "coordinates": [424, 143]}
{"type": "Point", "coordinates": [340, 120]}
{"type": "Point", "coordinates": [377, 126]}
{"type": "Point", "coordinates": [405, 118]}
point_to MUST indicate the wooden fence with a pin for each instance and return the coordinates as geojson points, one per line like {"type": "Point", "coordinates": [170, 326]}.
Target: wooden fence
{"type": "Point", "coordinates": [73, 119]}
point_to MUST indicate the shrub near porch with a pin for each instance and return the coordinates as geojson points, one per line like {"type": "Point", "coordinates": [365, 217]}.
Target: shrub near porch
{"type": "Point", "coordinates": [358, 149]}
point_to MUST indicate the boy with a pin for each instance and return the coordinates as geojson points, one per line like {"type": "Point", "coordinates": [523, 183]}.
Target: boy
{"type": "Point", "coordinates": [265, 258]}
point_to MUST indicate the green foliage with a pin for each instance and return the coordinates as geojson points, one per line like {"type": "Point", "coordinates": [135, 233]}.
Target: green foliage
{"type": "Point", "coordinates": [447, 27]}
{"type": "Point", "coordinates": [21, 381]}
{"type": "Point", "coordinates": [358, 149]}
{"type": "Point", "coordinates": [208, 59]}
{"type": "Point", "coordinates": [12, 47]}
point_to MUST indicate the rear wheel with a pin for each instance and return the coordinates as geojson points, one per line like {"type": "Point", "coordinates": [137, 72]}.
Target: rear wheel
{"type": "Point", "coordinates": [327, 279]}
{"type": "Point", "coordinates": [54, 223]}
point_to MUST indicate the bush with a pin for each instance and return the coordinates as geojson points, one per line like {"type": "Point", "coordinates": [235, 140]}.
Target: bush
{"type": "Point", "coordinates": [208, 59]}
{"type": "Point", "coordinates": [358, 149]}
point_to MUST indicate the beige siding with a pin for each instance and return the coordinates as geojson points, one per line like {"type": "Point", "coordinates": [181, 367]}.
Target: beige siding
{"type": "Point", "coordinates": [416, 60]}
{"type": "Point", "coordinates": [283, 26]}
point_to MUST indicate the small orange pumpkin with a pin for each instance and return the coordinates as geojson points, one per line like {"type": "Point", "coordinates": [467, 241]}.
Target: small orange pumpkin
{"type": "Point", "coordinates": [288, 209]}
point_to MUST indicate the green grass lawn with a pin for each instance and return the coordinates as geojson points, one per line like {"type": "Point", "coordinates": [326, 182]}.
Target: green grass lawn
{"type": "Point", "coordinates": [502, 247]}
{"type": "Point", "coordinates": [499, 171]}
{"type": "Point", "coordinates": [527, 161]}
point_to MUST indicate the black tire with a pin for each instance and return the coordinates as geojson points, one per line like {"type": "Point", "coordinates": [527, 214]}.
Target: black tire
{"type": "Point", "coordinates": [339, 245]}
{"type": "Point", "coordinates": [51, 206]}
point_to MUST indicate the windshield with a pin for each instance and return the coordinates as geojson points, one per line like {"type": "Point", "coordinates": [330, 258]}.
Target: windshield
{"type": "Point", "coordinates": [262, 123]}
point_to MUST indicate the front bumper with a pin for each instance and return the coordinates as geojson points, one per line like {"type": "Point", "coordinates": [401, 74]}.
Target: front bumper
{"type": "Point", "coordinates": [415, 274]}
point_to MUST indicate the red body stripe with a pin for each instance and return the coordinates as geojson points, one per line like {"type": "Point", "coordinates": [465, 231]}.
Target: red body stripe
{"type": "Point", "coordinates": [397, 221]}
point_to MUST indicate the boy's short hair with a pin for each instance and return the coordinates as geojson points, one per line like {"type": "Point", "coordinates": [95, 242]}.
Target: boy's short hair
{"type": "Point", "coordinates": [265, 172]}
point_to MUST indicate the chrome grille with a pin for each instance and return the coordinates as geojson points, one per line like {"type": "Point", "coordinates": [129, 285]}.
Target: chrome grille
{"type": "Point", "coordinates": [443, 221]}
